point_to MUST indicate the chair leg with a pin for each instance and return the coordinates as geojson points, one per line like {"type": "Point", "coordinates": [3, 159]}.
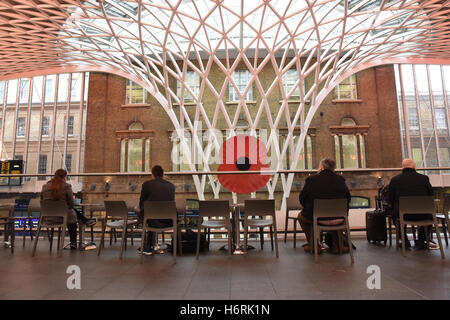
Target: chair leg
{"type": "Point", "coordinates": [316, 243]}
{"type": "Point", "coordinates": [276, 240]}
{"type": "Point", "coordinates": [36, 238]}
{"type": "Point", "coordinates": [246, 237]}
{"type": "Point", "coordinates": [271, 237]}
{"type": "Point", "coordinates": [132, 235]}
{"type": "Point", "coordinates": [340, 240]}
{"type": "Point", "coordinates": [413, 230]}
{"type": "Point", "coordinates": [124, 239]}
{"type": "Point", "coordinates": [31, 228]}
{"type": "Point", "coordinates": [402, 232]}
{"type": "Point", "coordinates": [142, 244]}
{"type": "Point", "coordinates": [390, 231]}
{"type": "Point", "coordinates": [61, 242]}
{"type": "Point", "coordinates": [261, 237]}
{"type": "Point", "coordinates": [175, 238]}
{"type": "Point", "coordinates": [199, 230]}
{"type": "Point", "coordinates": [444, 229]}
{"type": "Point", "coordinates": [229, 240]}
{"type": "Point", "coordinates": [51, 239]}
{"type": "Point", "coordinates": [438, 234]}
{"type": "Point", "coordinates": [350, 245]}
{"type": "Point", "coordinates": [24, 232]}
{"type": "Point", "coordinates": [295, 233]}
{"type": "Point", "coordinates": [102, 239]}
{"type": "Point", "coordinates": [286, 226]}
{"type": "Point", "coordinates": [427, 236]}
{"type": "Point", "coordinates": [180, 242]}
{"type": "Point", "coordinates": [59, 238]}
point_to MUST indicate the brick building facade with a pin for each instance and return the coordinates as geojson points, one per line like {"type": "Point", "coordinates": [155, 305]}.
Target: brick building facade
{"type": "Point", "coordinates": [374, 113]}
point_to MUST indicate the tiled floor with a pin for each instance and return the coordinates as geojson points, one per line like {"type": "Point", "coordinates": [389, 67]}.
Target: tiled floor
{"type": "Point", "coordinates": [257, 275]}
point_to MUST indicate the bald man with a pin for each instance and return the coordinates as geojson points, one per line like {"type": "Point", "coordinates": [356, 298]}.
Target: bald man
{"type": "Point", "coordinates": [410, 183]}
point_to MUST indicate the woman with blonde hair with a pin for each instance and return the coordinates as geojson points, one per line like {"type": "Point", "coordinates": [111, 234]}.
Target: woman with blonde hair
{"type": "Point", "coordinates": [58, 189]}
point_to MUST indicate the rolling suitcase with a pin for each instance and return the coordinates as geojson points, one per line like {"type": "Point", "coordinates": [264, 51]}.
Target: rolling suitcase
{"type": "Point", "coordinates": [376, 226]}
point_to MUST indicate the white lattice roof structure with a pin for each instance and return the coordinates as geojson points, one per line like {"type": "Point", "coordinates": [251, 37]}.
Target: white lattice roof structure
{"type": "Point", "coordinates": [152, 41]}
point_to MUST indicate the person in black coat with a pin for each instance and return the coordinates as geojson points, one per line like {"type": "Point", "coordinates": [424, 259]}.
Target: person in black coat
{"type": "Point", "coordinates": [409, 183]}
{"type": "Point", "coordinates": [326, 184]}
{"type": "Point", "coordinates": [156, 189]}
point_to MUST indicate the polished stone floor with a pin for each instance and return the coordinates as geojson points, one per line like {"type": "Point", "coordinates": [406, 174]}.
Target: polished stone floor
{"type": "Point", "coordinates": [257, 275]}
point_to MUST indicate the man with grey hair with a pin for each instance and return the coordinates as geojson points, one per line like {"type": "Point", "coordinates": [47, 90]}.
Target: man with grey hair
{"type": "Point", "coordinates": [409, 183]}
{"type": "Point", "coordinates": [326, 184]}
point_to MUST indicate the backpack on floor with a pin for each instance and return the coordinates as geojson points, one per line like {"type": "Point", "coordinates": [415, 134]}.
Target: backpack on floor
{"type": "Point", "coordinates": [376, 226]}
{"type": "Point", "coordinates": [189, 242]}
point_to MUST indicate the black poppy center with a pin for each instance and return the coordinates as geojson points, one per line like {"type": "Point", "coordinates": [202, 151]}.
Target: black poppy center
{"type": "Point", "coordinates": [243, 163]}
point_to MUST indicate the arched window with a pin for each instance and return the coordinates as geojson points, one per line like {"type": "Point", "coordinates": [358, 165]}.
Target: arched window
{"type": "Point", "coordinates": [135, 149]}
{"type": "Point", "coordinates": [349, 144]}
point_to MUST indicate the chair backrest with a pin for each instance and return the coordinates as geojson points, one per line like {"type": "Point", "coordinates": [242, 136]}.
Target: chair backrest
{"type": "Point", "coordinates": [54, 208]}
{"type": "Point", "coordinates": [132, 204]}
{"type": "Point", "coordinates": [416, 205]}
{"type": "Point", "coordinates": [160, 210]}
{"type": "Point", "coordinates": [181, 205]}
{"type": "Point", "coordinates": [330, 208]}
{"type": "Point", "coordinates": [242, 197]}
{"type": "Point", "coordinates": [293, 203]}
{"type": "Point", "coordinates": [117, 209]}
{"type": "Point", "coordinates": [34, 206]}
{"type": "Point", "coordinates": [446, 206]}
{"type": "Point", "coordinates": [259, 208]}
{"type": "Point", "coordinates": [214, 208]}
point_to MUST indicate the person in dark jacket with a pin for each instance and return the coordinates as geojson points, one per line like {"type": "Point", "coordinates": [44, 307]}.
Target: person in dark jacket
{"type": "Point", "coordinates": [58, 189]}
{"type": "Point", "coordinates": [326, 184]}
{"type": "Point", "coordinates": [409, 183]}
{"type": "Point", "coordinates": [156, 189]}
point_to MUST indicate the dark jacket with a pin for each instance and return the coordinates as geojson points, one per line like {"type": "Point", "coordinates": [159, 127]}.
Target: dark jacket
{"type": "Point", "coordinates": [408, 183]}
{"type": "Point", "coordinates": [156, 189]}
{"type": "Point", "coordinates": [66, 195]}
{"type": "Point", "coordinates": [324, 185]}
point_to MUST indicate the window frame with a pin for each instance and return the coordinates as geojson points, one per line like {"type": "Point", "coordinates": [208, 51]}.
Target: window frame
{"type": "Point", "coordinates": [233, 95]}
{"type": "Point", "coordinates": [352, 83]}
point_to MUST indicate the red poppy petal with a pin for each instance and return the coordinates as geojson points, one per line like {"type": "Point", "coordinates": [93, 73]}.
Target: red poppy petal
{"type": "Point", "coordinates": [242, 183]}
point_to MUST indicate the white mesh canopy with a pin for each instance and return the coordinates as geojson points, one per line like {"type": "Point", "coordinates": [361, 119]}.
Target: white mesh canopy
{"type": "Point", "coordinates": [154, 41]}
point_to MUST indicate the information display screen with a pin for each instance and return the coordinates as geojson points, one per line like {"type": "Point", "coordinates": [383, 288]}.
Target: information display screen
{"type": "Point", "coordinates": [11, 167]}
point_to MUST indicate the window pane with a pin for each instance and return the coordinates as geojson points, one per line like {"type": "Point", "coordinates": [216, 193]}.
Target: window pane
{"type": "Point", "coordinates": [309, 151]}
{"type": "Point", "coordinates": [45, 126]}
{"type": "Point", "coordinates": [70, 126]}
{"type": "Point", "coordinates": [362, 149]}
{"type": "Point", "coordinates": [134, 93]}
{"type": "Point", "coordinates": [192, 80]}
{"type": "Point", "coordinates": [347, 88]}
{"type": "Point", "coordinates": [42, 167]}
{"type": "Point", "coordinates": [337, 152]}
{"type": "Point", "coordinates": [349, 150]}
{"type": "Point", "coordinates": [289, 79]}
{"type": "Point", "coordinates": [417, 156]}
{"type": "Point", "coordinates": [2, 91]}
{"type": "Point", "coordinates": [68, 163]}
{"type": "Point", "coordinates": [241, 79]}
{"type": "Point", "coordinates": [49, 89]}
{"type": "Point", "coordinates": [123, 155]}
{"type": "Point", "coordinates": [24, 91]}
{"type": "Point", "coordinates": [20, 132]}
{"type": "Point", "coordinates": [134, 155]}
{"type": "Point", "coordinates": [147, 155]}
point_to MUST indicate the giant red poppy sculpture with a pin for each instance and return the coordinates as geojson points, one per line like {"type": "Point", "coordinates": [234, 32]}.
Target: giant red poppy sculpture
{"type": "Point", "coordinates": [243, 153]}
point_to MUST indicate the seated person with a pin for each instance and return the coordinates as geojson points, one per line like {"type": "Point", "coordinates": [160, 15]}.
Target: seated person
{"type": "Point", "coordinates": [326, 184]}
{"type": "Point", "coordinates": [58, 189]}
{"type": "Point", "coordinates": [156, 189]}
{"type": "Point", "coordinates": [410, 183]}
